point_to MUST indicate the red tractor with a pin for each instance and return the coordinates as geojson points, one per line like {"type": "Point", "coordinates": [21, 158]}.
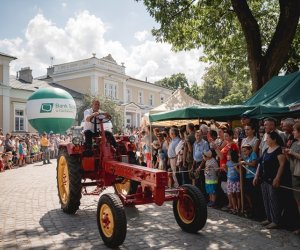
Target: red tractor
{"type": "Point", "coordinates": [133, 185]}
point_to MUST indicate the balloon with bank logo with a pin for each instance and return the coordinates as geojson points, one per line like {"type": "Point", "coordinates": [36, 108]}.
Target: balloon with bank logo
{"type": "Point", "coordinates": [51, 109]}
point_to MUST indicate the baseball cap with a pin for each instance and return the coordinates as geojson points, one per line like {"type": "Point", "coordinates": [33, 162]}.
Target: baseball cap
{"type": "Point", "coordinates": [244, 116]}
{"type": "Point", "coordinates": [208, 153]}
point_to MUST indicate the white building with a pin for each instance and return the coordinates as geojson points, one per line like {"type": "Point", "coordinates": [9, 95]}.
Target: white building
{"type": "Point", "coordinates": [92, 76]}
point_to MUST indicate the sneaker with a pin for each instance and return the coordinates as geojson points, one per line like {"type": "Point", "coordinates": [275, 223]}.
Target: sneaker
{"type": "Point", "coordinates": [233, 211]}
{"type": "Point", "coordinates": [272, 226]}
{"type": "Point", "coordinates": [226, 208]}
{"type": "Point", "coordinates": [265, 222]}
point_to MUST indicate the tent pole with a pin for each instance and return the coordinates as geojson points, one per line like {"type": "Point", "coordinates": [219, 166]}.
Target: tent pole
{"type": "Point", "coordinates": [150, 143]}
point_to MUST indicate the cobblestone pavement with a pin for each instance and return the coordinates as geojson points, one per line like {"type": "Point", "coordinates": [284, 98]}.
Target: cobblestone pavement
{"type": "Point", "coordinates": [31, 218]}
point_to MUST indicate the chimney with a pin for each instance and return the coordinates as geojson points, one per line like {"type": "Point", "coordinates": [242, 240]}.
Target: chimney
{"type": "Point", "coordinates": [50, 71]}
{"type": "Point", "coordinates": [25, 74]}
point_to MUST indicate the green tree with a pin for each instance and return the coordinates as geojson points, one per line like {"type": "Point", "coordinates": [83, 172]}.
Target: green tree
{"type": "Point", "coordinates": [174, 81]}
{"type": "Point", "coordinates": [179, 80]}
{"type": "Point", "coordinates": [106, 105]}
{"type": "Point", "coordinates": [220, 87]}
{"type": "Point", "coordinates": [237, 33]}
{"type": "Point", "coordinates": [194, 91]}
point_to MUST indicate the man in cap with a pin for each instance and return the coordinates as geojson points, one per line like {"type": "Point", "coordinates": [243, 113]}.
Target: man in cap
{"type": "Point", "coordinates": [245, 120]}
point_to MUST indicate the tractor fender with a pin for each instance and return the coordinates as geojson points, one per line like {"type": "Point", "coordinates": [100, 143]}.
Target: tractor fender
{"type": "Point", "coordinates": [70, 148]}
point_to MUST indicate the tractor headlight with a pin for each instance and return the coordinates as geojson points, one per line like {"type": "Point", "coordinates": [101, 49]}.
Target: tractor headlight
{"type": "Point", "coordinates": [76, 140]}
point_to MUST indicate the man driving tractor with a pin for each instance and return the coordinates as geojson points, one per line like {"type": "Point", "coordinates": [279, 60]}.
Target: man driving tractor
{"type": "Point", "coordinates": [92, 118]}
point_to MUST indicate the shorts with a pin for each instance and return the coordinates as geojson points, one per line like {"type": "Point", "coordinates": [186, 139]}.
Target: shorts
{"type": "Point", "coordinates": [233, 187]}
{"type": "Point", "coordinates": [211, 188]}
{"type": "Point", "coordinates": [249, 186]}
{"type": "Point", "coordinates": [21, 157]}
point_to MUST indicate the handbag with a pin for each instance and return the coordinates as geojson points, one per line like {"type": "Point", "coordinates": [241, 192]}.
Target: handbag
{"type": "Point", "coordinates": [297, 169]}
{"type": "Point", "coordinates": [223, 176]}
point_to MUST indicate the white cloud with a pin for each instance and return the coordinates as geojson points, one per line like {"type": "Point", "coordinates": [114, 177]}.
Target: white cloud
{"type": "Point", "coordinates": [64, 5]}
{"type": "Point", "coordinates": [141, 35]}
{"type": "Point", "coordinates": [83, 35]}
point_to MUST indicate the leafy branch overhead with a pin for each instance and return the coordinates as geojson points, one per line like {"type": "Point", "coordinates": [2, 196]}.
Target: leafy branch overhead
{"type": "Point", "coordinates": [254, 37]}
{"type": "Point", "coordinates": [218, 86]}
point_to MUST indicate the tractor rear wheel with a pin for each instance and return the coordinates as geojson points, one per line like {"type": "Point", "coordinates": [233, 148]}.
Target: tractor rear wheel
{"type": "Point", "coordinates": [111, 220]}
{"type": "Point", "coordinates": [190, 211]}
{"type": "Point", "coordinates": [68, 182]}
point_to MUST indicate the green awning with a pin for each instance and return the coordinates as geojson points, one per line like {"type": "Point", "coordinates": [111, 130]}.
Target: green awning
{"type": "Point", "coordinates": [217, 112]}
{"type": "Point", "coordinates": [276, 98]}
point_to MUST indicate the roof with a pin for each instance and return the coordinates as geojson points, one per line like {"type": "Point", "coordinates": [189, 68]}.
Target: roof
{"type": "Point", "coordinates": [280, 91]}
{"type": "Point", "coordinates": [37, 84]}
{"type": "Point", "coordinates": [18, 84]}
{"type": "Point", "coordinates": [6, 55]}
{"type": "Point", "coordinates": [179, 99]}
{"type": "Point", "coordinates": [146, 82]}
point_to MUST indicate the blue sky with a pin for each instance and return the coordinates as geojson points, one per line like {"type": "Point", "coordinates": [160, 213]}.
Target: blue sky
{"type": "Point", "coordinates": [35, 30]}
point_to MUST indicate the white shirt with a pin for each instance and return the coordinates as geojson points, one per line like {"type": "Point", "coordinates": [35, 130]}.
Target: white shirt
{"type": "Point", "coordinates": [88, 125]}
{"type": "Point", "coordinates": [263, 144]}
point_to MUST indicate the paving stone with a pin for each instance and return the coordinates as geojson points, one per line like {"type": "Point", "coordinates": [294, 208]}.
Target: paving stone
{"type": "Point", "coordinates": [31, 218]}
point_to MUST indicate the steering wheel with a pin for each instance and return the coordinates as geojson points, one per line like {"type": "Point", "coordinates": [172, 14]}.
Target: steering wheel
{"type": "Point", "coordinates": [100, 119]}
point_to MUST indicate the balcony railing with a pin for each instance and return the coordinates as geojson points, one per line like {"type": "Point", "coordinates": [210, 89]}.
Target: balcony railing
{"type": "Point", "coordinates": [89, 63]}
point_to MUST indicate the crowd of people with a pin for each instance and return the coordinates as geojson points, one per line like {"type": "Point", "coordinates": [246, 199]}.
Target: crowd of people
{"type": "Point", "coordinates": [17, 150]}
{"type": "Point", "coordinates": [252, 170]}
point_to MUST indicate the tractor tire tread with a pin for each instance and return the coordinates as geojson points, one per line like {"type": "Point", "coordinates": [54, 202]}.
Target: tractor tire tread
{"type": "Point", "coordinates": [75, 183]}
{"type": "Point", "coordinates": [120, 220]}
{"type": "Point", "coordinates": [200, 210]}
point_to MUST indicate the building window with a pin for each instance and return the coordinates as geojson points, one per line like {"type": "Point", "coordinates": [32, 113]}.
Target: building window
{"type": "Point", "coordinates": [19, 120]}
{"type": "Point", "coordinates": [162, 99]}
{"type": "Point", "coordinates": [110, 90]}
{"type": "Point", "coordinates": [141, 97]}
{"type": "Point", "coordinates": [151, 100]}
{"type": "Point", "coordinates": [128, 95]}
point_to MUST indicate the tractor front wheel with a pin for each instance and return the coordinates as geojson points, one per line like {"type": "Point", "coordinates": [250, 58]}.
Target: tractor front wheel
{"type": "Point", "coordinates": [111, 220]}
{"type": "Point", "coordinates": [190, 211]}
{"type": "Point", "coordinates": [68, 177]}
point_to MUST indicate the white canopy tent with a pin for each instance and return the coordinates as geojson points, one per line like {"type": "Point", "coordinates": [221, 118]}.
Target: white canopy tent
{"type": "Point", "coordinates": [179, 99]}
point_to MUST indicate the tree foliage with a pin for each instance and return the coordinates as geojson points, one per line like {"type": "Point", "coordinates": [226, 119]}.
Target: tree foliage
{"type": "Point", "coordinates": [194, 91]}
{"type": "Point", "coordinates": [106, 105]}
{"type": "Point", "coordinates": [220, 87]}
{"type": "Point", "coordinates": [174, 82]}
{"type": "Point", "coordinates": [248, 36]}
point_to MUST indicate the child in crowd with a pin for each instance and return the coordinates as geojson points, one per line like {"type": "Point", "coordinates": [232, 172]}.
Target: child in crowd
{"type": "Point", "coordinates": [211, 178]}
{"type": "Point", "coordinates": [35, 150]}
{"type": "Point", "coordinates": [249, 158]}
{"type": "Point", "coordinates": [7, 160]}
{"type": "Point", "coordinates": [25, 150]}
{"type": "Point", "coordinates": [1, 163]}
{"type": "Point", "coordinates": [155, 148]}
{"type": "Point", "coordinates": [233, 180]}
{"type": "Point", "coordinates": [161, 160]}
{"type": "Point", "coordinates": [21, 153]}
